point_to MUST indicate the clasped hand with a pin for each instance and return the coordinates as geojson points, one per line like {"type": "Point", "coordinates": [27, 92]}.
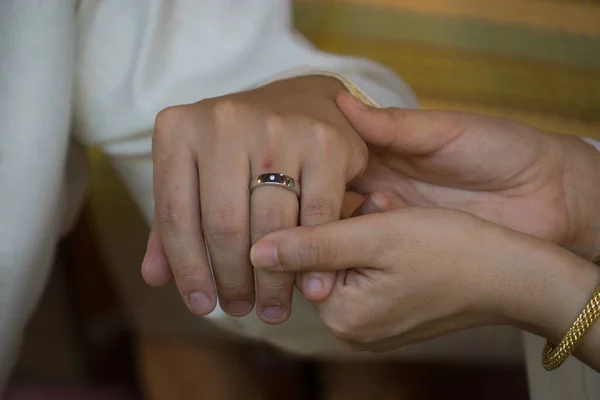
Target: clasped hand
{"type": "Point", "coordinates": [487, 174]}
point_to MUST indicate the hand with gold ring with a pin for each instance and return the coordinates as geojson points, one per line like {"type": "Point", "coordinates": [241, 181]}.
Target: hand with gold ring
{"type": "Point", "coordinates": [227, 171]}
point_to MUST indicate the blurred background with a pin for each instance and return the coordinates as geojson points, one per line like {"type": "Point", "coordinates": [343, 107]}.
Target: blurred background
{"type": "Point", "coordinates": [98, 325]}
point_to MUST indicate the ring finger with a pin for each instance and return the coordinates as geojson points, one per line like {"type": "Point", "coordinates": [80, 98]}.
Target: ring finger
{"type": "Point", "coordinates": [273, 208]}
{"type": "Point", "coordinates": [322, 198]}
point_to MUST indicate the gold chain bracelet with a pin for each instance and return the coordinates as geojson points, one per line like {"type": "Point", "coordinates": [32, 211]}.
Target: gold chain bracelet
{"type": "Point", "coordinates": [555, 355]}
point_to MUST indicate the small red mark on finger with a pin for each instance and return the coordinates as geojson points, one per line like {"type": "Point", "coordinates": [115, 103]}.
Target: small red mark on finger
{"type": "Point", "coordinates": [267, 163]}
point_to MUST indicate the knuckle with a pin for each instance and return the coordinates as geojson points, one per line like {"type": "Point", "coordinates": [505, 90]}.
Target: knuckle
{"type": "Point", "coordinates": [314, 252]}
{"type": "Point", "coordinates": [266, 220]}
{"type": "Point", "coordinates": [276, 284]}
{"type": "Point", "coordinates": [453, 122]}
{"type": "Point", "coordinates": [275, 288]}
{"type": "Point", "coordinates": [167, 123]}
{"type": "Point", "coordinates": [275, 124]}
{"type": "Point", "coordinates": [396, 116]}
{"type": "Point", "coordinates": [274, 295]}
{"type": "Point", "coordinates": [224, 225]}
{"type": "Point", "coordinates": [262, 228]}
{"type": "Point", "coordinates": [321, 210]}
{"type": "Point", "coordinates": [324, 134]}
{"type": "Point", "coordinates": [173, 217]}
{"type": "Point", "coordinates": [186, 270]}
{"type": "Point", "coordinates": [228, 109]}
{"type": "Point", "coordinates": [357, 163]}
{"type": "Point", "coordinates": [234, 288]}
{"type": "Point", "coordinates": [270, 218]}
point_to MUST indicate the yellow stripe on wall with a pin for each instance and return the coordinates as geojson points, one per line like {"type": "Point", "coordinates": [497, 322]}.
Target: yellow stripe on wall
{"type": "Point", "coordinates": [579, 18]}
{"type": "Point", "coordinates": [476, 77]}
{"type": "Point", "coordinates": [547, 121]}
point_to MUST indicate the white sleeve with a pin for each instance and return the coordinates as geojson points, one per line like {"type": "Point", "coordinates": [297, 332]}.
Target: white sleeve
{"type": "Point", "coordinates": [138, 57]}
{"type": "Point", "coordinates": [36, 66]}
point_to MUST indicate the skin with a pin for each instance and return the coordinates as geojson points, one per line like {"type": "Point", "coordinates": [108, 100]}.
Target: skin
{"type": "Point", "coordinates": [390, 266]}
{"type": "Point", "coordinates": [413, 274]}
{"type": "Point", "coordinates": [205, 155]}
{"type": "Point", "coordinates": [532, 181]}
{"type": "Point", "coordinates": [502, 171]}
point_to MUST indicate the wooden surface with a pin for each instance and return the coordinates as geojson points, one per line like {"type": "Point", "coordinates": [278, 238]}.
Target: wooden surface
{"type": "Point", "coordinates": [197, 370]}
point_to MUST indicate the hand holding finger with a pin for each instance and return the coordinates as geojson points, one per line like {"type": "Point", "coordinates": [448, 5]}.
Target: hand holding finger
{"type": "Point", "coordinates": [354, 205]}
{"type": "Point", "coordinates": [336, 246]}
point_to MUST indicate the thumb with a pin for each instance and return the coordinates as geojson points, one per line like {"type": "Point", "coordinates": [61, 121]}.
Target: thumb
{"type": "Point", "coordinates": [401, 130]}
{"type": "Point", "coordinates": [351, 243]}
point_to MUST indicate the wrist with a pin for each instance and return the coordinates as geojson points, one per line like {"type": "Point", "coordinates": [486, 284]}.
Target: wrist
{"type": "Point", "coordinates": [582, 190]}
{"type": "Point", "coordinates": [566, 321]}
{"type": "Point", "coordinates": [553, 289]}
{"type": "Point", "coordinates": [517, 285]}
{"type": "Point", "coordinates": [321, 85]}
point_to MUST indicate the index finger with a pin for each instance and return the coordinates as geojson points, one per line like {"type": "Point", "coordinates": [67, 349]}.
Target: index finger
{"type": "Point", "coordinates": [351, 243]}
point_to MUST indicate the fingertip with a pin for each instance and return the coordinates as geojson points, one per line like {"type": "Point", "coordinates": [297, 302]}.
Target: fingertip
{"type": "Point", "coordinates": [379, 201]}
{"type": "Point", "coordinates": [155, 273]}
{"type": "Point", "coordinates": [274, 315]}
{"type": "Point", "coordinates": [264, 254]}
{"type": "Point", "coordinates": [155, 277]}
{"type": "Point", "coordinates": [155, 268]}
{"type": "Point", "coordinates": [374, 203]}
{"type": "Point", "coordinates": [351, 103]}
{"type": "Point", "coordinates": [374, 125]}
{"type": "Point", "coordinates": [200, 303]}
{"type": "Point", "coordinates": [317, 286]}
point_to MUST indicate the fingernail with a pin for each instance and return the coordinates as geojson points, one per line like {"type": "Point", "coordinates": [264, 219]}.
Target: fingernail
{"type": "Point", "coordinates": [264, 255]}
{"type": "Point", "coordinates": [239, 307]}
{"type": "Point", "coordinates": [358, 104]}
{"type": "Point", "coordinates": [315, 285]}
{"type": "Point", "coordinates": [199, 303]}
{"type": "Point", "coordinates": [372, 206]}
{"type": "Point", "coordinates": [273, 313]}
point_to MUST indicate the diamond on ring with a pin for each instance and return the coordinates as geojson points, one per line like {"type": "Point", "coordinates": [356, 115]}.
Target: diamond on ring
{"type": "Point", "coordinates": [276, 179]}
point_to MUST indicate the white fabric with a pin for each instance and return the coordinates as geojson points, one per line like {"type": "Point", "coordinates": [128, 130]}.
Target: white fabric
{"type": "Point", "coordinates": [36, 70]}
{"type": "Point", "coordinates": [133, 58]}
